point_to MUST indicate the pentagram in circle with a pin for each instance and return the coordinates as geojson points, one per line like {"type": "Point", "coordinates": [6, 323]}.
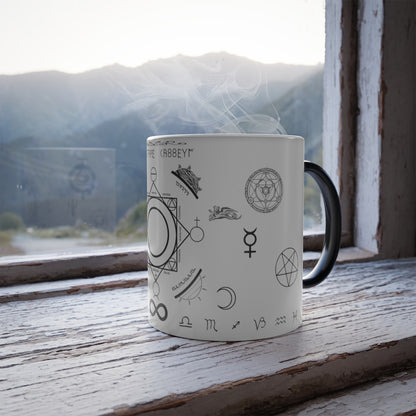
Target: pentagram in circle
{"type": "Point", "coordinates": [264, 190]}
{"type": "Point", "coordinates": [287, 267]}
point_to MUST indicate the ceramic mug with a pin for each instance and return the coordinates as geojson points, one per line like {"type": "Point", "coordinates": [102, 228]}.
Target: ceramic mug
{"type": "Point", "coordinates": [225, 234]}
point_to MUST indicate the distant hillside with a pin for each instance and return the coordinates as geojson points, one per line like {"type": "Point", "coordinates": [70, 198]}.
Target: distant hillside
{"type": "Point", "coordinates": [117, 107]}
{"type": "Point", "coordinates": [54, 104]}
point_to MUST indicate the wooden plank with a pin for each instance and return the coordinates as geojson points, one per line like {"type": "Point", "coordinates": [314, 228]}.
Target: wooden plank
{"type": "Point", "coordinates": [71, 287]}
{"type": "Point", "coordinates": [389, 396]}
{"type": "Point", "coordinates": [95, 353]}
{"type": "Point", "coordinates": [26, 269]}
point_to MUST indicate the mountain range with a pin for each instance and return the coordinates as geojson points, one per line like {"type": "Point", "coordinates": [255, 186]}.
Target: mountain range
{"type": "Point", "coordinates": [118, 107]}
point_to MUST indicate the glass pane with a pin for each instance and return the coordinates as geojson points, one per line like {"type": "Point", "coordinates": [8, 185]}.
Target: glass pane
{"type": "Point", "coordinates": [84, 83]}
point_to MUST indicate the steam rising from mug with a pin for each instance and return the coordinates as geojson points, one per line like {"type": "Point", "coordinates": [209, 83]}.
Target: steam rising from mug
{"type": "Point", "coordinates": [206, 95]}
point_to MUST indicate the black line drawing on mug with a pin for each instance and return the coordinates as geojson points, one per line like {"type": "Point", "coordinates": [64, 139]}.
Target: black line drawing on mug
{"type": "Point", "coordinates": [154, 309]}
{"type": "Point", "coordinates": [264, 190]}
{"type": "Point", "coordinates": [162, 215]}
{"type": "Point", "coordinates": [189, 179]}
{"type": "Point", "coordinates": [287, 267]}
{"type": "Point", "coordinates": [155, 285]}
{"type": "Point", "coordinates": [193, 290]}
{"type": "Point", "coordinates": [185, 322]}
{"type": "Point", "coordinates": [280, 320]}
{"type": "Point", "coordinates": [217, 213]}
{"type": "Point", "coordinates": [153, 178]}
{"type": "Point", "coordinates": [231, 298]}
{"type": "Point", "coordinates": [196, 233]}
{"type": "Point", "coordinates": [236, 325]}
{"type": "Point", "coordinates": [295, 317]}
{"type": "Point", "coordinates": [261, 323]}
{"type": "Point", "coordinates": [251, 242]}
{"type": "Point", "coordinates": [211, 324]}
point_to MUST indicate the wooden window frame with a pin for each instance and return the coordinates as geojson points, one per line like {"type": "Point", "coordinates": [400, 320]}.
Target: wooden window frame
{"type": "Point", "coordinates": [361, 129]}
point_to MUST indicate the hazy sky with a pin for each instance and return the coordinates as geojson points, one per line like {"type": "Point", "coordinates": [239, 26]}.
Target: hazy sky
{"type": "Point", "coordinates": [77, 35]}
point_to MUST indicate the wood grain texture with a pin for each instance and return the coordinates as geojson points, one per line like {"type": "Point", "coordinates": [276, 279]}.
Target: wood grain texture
{"type": "Point", "coordinates": [386, 397]}
{"type": "Point", "coordinates": [95, 353]}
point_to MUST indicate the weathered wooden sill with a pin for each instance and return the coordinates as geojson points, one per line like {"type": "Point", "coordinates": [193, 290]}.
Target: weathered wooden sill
{"type": "Point", "coordinates": [84, 347]}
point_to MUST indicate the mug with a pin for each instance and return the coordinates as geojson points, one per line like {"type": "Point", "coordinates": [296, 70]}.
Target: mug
{"type": "Point", "coordinates": [225, 234]}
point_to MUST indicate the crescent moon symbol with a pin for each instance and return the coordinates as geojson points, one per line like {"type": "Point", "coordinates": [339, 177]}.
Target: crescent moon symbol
{"type": "Point", "coordinates": [233, 297]}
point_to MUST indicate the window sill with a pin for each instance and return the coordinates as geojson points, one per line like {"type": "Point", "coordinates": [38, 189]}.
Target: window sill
{"type": "Point", "coordinates": [19, 270]}
{"type": "Point", "coordinates": [94, 353]}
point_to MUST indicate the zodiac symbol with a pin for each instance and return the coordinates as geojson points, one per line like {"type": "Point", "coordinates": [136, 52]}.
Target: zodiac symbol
{"type": "Point", "coordinates": [185, 322]}
{"type": "Point", "coordinates": [232, 295]}
{"type": "Point", "coordinates": [211, 324]}
{"type": "Point", "coordinates": [248, 243]}
{"type": "Point", "coordinates": [286, 268]}
{"type": "Point", "coordinates": [236, 325]}
{"type": "Point", "coordinates": [224, 212]}
{"type": "Point", "coordinates": [154, 310]}
{"type": "Point", "coordinates": [264, 190]}
{"type": "Point", "coordinates": [261, 323]}
{"type": "Point", "coordinates": [295, 316]}
{"type": "Point", "coordinates": [280, 320]}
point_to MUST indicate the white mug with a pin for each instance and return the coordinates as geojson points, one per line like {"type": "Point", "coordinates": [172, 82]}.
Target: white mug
{"type": "Point", "coordinates": [225, 234]}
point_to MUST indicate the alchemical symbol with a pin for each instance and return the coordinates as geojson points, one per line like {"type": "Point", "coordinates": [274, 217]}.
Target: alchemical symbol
{"type": "Point", "coordinates": [250, 241]}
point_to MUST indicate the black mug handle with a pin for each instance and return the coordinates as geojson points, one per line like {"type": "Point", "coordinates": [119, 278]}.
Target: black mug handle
{"type": "Point", "coordinates": [332, 225]}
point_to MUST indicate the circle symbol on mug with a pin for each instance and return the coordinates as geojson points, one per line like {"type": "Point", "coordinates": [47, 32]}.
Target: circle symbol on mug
{"type": "Point", "coordinates": [264, 190]}
{"type": "Point", "coordinates": [163, 244]}
{"type": "Point", "coordinates": [287, 267]}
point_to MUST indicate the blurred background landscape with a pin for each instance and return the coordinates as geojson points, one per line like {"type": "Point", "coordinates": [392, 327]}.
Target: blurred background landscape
{"type": "Point", "coordinates": [73, 146]}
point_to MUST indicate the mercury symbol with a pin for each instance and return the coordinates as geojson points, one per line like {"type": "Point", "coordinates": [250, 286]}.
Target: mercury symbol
{"type": "Point", "coordinates": [250, 242]}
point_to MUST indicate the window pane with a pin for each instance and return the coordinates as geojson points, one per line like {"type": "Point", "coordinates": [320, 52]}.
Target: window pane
{"type": "Point", "coordinates": [73, 125]}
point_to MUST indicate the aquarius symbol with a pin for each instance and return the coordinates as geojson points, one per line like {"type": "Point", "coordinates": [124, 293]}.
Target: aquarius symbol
{"type": "Point", "coordinates": [280, 320]}
{"type": "Point", "coordinates": [154, 310]}
{"type": "Point", "coordinates": [248, 243]}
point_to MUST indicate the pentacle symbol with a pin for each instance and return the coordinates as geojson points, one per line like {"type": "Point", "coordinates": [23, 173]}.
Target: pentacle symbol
{"type": "Point", "coordinates": [189, 179]}
{"type": "Point", "coordinates": [250, 243]}
{"type": "Point", "coordinates": [231, 297]}
{"type": "Point", "coordinates": [160, 310]}
{"type": "Point", "coordinates": [82, 178]}
{"type": "Point", "coordinates": [217, 213]}
{"type": "Point", "coordinates": [264, 190]}
{"type": "Point", "coordinates": [185, 322]}
{"type": "Point", "coordinates": [287, 267]}
{"type": "Point", "coordinates": [193, 290]}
